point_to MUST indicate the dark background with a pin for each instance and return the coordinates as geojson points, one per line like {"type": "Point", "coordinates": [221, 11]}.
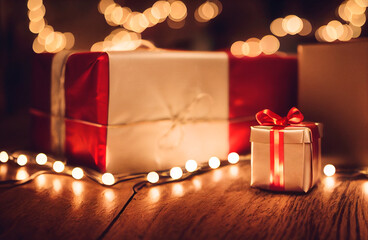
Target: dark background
{"type": "Point", "coordinates": [239, 20]}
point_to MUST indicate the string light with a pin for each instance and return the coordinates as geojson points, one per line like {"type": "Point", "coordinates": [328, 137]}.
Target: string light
{"type": "Point", "coordinates": [22, 160]}
{"type": "Point", "coordinates": [41, 159]}
{"type": "Point", "coordinates": [108, 179]}
{"type": "Point", "coordinates": [329, 170]}
{"type": "Point", "coordinates": [77, 173]}
{"type": "Point", "coordinates": [233, 158]}
{"type": "Point", "coordinates": [176, 173]}
{"type": "Point", "coordinates": [58, 166]}
{"type": "Point", "coordinates": [191, 165]}
{"type": "Point", "coordinates": [214, 162]}
{"type": "Point", "coordinates": [153, 177]}
{"type": "Point", "coordinates": [4, 157]}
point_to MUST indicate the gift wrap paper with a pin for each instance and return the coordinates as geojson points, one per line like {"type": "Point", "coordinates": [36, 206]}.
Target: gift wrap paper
{"type": "Point", "coordinates": [333, 89]}
{"type": "Point", "coordinates": [125, 112]}
{"type": "Point", "coordinates": [293, 166]}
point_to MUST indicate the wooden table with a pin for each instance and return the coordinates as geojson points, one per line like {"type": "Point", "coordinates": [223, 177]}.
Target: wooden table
{"type": "Point", "coordinates": [218, 204]}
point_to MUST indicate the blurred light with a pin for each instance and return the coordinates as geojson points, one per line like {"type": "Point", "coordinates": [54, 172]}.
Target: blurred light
{"type": "Point", "coordinates": [77, 173]}
{"type": "Point", "coordinates": [356, 31]}
{"type": "Point", "coordinates": [233, 157]}
{"type": "Point", "coordinates": [58, 166]}
{"type": "Point", "coordinates": [217, 176]}
{"type": "Point", "coordinates": [254, 47]}
{"type": "Point", "coordinates": [236, 48]}
{"type": "Point", "coordinates": [362, 3]}
{"type": "Point", "coordinates": [117, 15]}
{"type": "Point", "coordinates": [208, 10]}
{"type": "Point", "coordinates": [197, 184]}
{"type": "Point", "coordinates": [44, 33]}
{"type": "Point", "coordinates": [176, 173]}
{"type": "Point", "coordinates": [339, 29]}
{"type": "Point", "coordinates": [175, 25]}
{"type": "Point", "coordinates": [153, 177]}
{"type": "Point", "coordinates": [347, 33]}
{"type": "Point", "coordinates": [365, 187]}
{"type": "Point", "coordinates": [41, 159]}
{"type": "Point", "coordinates": [77, 188]}
{"type": "Point", "coordinates": [70, 40]}
{"type": "Point", "coordinates": [214, 162]}
{"type": "Point", "coordinates": [103, 4]}
{"type": "Point", "coordinates": [276, 27]}
{"type": "Point", "coordinates": [4, 157]}
{"type": "Point", "coordinates": [354, 8]}
{"type": "Point", "coordinates": [40, 181]}
{"type": "Point", "coordinates": [307, 28]}
{"type": "Point", "coordinates": [234, 171]}
{"type": "Point", "coordinates": [329, 170]}
{"type": "Point", "coordinates": [151, 19]}
{"type": "Point", "coordinates": [324, 35]}
{"type": "Point", "coordinates": [37, 15]}
{"type": "Point", "coordinates": [161, 9]}
{"type": "Point", "coordinates": [22, 160]}
{"type": "Point", "coordinates": [22, 174]}
{"type": "Point", "coordinates": [245, 49]}
{"type": "Point", "coordinates": [343, 12]}
{"type": "Point", "coordinates": [269, 45]}
{"type": "Point", "coordinates": [178, 11]}
{"type": "Point", "coordinates": [34, 4]}
{"type": "Point", "coordinates": [191, 165]}
{"type": "Point", "coordinates": [56, 185]}
{"type": "Point", "coordinates": [329, 183]}
{"type": "Point", "coordinates": [108, 179]}
{"type": "Point", "coordinates": [292, 24]}
{"type": "Point", "coordinates": [358, 20]}
{"type": "Point", "coordinates": [109, 195]}
{"type": "Point", "coordinates": [36, 27]}
{"type": "Point", "coordinates": [154, 194]}
{"type": "Point", "coordinates": [107, 14]}
{"type": "Point", "coordinates": [178, 190]}
{"type": "Point", "coordinates": [97, 47]}
{"type": "Point", "coordinates": [331, 33]}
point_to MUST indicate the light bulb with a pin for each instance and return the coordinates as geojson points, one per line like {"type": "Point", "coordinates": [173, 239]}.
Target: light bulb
{"type": "Point", "coordinates": [22, 160]}
{"type": "Point", "coordinates": [4, 157]}
{"type": "Point", "coordinates": [41, 159]}
{"type": "Point", "coordinates": [58, 166]}
{"type": "Point", "coordinates": [108, 179]}
{"type": "Point", "coordinates": [233, 157]}
{"type": "Point", "coordinates": [176, 172]}
{"type": "Point", "coordinates": [153, 177]}
{"type": "Point", "coordinates": [329, 170]}
{"type": "Point", "coordinates": [191, 165]}
{"type": "Point", "coordinates": [77, 173]}
{"type": "Point", "coordinates": [214, 162]}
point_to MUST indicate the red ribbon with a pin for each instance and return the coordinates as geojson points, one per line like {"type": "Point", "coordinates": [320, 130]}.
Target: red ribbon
{"type": "Point", "coordinates": [294, 117]}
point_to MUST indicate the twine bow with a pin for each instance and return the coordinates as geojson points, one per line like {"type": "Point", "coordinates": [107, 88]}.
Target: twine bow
{"type": "Point", "coordinates": [268, 118]}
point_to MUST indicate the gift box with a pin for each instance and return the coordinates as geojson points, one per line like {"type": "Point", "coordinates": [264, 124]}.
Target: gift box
{"type": "Point", "coordinates": [125, 112]}
{"type": "Point", "coordinates": [286, 152]}
{"type": "Point", "coordinates": [333, 89]}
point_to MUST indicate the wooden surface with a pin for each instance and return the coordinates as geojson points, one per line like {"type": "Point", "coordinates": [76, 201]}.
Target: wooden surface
{"type": "Point", "coordinates": [215, 205]}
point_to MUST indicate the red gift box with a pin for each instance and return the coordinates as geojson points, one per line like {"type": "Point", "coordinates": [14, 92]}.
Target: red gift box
{"type": "Point", "coordinates": [112, 97]}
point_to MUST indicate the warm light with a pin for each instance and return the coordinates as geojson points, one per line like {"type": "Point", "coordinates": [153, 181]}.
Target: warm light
{"type": "Point", "coordinates": [269, 44]}
{"type": "Point", "coordinates": [329, 170]}
{"type": "Point", "coordinates": [234, 171]}
{"type": "Point", "coordinates": [191, 165]}
{"type": "Point", "coordinates": [97, 47]}
{"type": "Point", "coordinates": [36, 27]}
{"type": "Point", "coordinates": [208, 10]}
{"type": "Point", "coordinates": [58, 166]}
{"type": "Point", "coordinates": [343, 12]}
{"type": "Point", "coordinates": [358, 20]}
{"type": "Point", "coordinates": [37, 15]}
{"type": "Point", "coordinates": [22, 174]}
{"type": "Point", "coordinates": [77, 188]}
{"type": "Point", "coordinates": [151, 19]}
{"type": "Point", "coordinates": [4, 157]}
{"type": "Point", "coordinates": [347, 33]}
{"type": "Point", "coordinates": [70, 40]}
{"type": "Point", "coordinates": [233, 157]}
{"type": "Point", "coordinates": [356, 31]}
{"type": "Point", "coordinates": [276, 27]}
{"type": "Point", "coordinates": [22, 160]}
{"type": "Point", "coordinates": [214, 162]}
{"type": "Point", "coordinates": [56, 185]}
{"type": "Point", "coordinates": [153, 177]}
{"type": "Point", "coordinates": [362, 3]}
{"type": "Point", "coordinates": [175, 25]}
{"type": "Point", "coordinates": [117, 15]}
{"type": "Point", "coordinates": [41, 159]}
{"type": "Point", "coordinates": [339, 29]}
{"type": "Point", "coordinates": [236, 48]}
{"type": "Point", "coordinates": [109, 195]}
{"type": "Point", "coordinates": [77, 173]}
{"type": "Point", "coordinates": [34, 4]}
{"type": "Point", "coordinates": [161, 9]}
{"type": "Point", "coordinates": [108, 179]}
{"type": "Point", "coordinates": [154, 194]}
{"type": "Point", "coordinates": [354, 8]}
{"type": "Point", "coordinates": [178, 190]}
{"type": "Point", "coordinates": [254, 47]}
{"type": "Point", "coordinates": [178, 11]}
{"type": "Point", "coordinates": [292, 24]}
{"type": "Point", "coordinates": [331, 33]}
{"type": "Point", "coordinates": [176, 173]}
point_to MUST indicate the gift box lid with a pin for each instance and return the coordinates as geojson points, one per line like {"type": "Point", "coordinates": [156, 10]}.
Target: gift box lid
{"type": "Point", "coordinates": [292, 134]}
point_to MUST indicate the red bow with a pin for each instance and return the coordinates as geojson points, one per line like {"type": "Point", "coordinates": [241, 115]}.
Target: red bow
{"type": "Point", "coordinates": [268, 118]}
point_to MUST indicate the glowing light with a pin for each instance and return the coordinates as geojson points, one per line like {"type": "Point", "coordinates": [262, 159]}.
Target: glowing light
{"type": "Point", "coordinates": [22, 160]}
{"type": "Point", "coordinates": [77, 188]}
{"type": "Point", "coordinates": [103, 4]}
{"type": "Point", "coordinates": [117, 15]}
{"type": "Point", "coordinates": [176, 173]}
{"type": "Point", "coordinates": [4, 157]}
{"type": "Point", "coordinates": [36, 27]}
{"type": "Point", "coordinates": [37, 15]}
{"type": "Point", "coordinates": [191, 165]}
{"type": "Point", "coordinates": [269, 44]}
{"type": "Point", "coordinates": [329, 183]}
{"type": "Point", "coordinates": [41, 159]}
{"type": "Point", "coordinates": [254, 47]}
{"type": "Point", "coordinates": [354, 8]}
{"type": "Point", "coordinates": [109, 195]}
{"type": "Point", "coordinates": [337, 26]}
{"type": "Point", "coordinates": [58, 166]}
{"type": "Point", "coordinates": [178, 190]}
{"type": "Point", "coordinates": [331, 33]}
{"type": "Point", "coordinates": [151, 19]}
{"type": "Point", "coordinates": [97, 47]}
{"type": "Point", "coordinates": [175, 25]}
{"type": "Point", "coordinates": [34, 4]}
{"type": "Point", "coordinates": [208, 10]}
{"type": "Point", "coordinates": [236, 48]}
{"type": "Point", "coordinates": [70, 40]}
{"type": "Point", "coordinates": [362, 3]}
{"type": "Point", "coordinates": [233, 157]}
{"type": "Point", "coordinates": [40, 181]}
{"type": "Point", "coordinates": [77, 173]}
{"type": "Point", "coordinates": [178, 11]}
{"type": "Point", "coordinates": [161, 9]}
{"type": "Point", "coordinates": [234, 171]}
{"type": "Point", "coordinates": [329, 170]}
{"type": "Point", "coordinates": [307, 28]}
{"type": "Point", "coordinates": [343, 12]}
{"type": "Point", "coordinates": [365, 187]}
{"type": "Point", "coordinates": [358, 20]}
{"type": "Point", "coordinates": [154, 194]}
{"type": "Point", "coordinates": [22, 174]}
{"type": "Point", "coordinates": [214, 162]}
{"type": "Point", "coordinates": [276, 27]}
{"type": "Point", "coordinates": [153, 177]}
{"type": "Point", "coordinates": [347, 33]}
{"type": "Point", "coordinates": [356, 31]}
{"type": "Point", "coordinates": [108, 179]}
{"type": "Point", "coordinates": [56, 185]}
{"type": "Point", "coordinates": [292, 24]}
